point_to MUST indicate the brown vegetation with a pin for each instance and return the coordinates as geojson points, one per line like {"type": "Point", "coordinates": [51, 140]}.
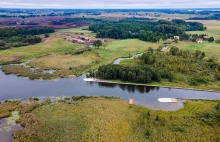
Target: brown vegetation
{"type": "Point", "coordinates": [7, 107]}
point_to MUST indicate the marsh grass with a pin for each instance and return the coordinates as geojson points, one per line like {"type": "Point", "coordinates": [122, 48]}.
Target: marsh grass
{"type": "Point", "coordinates": [111, 119]}
{"type": "Point", "coordinates": [7, 107]}
{"type": "Point", "coordinates": [26, 72]}
{"type": "Point", "coordinates": [59, 61]}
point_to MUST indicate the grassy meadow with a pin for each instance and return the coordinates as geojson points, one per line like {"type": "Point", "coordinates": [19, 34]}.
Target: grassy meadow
{"type": "Point", "coordinates": [122, 48]}
{"type": "Point", "coordinates": [59, 61]}
{"type": "Point", "coordinates": [78, 31]}
{"type": "Point", "coordinates": [111, 119]}
{"type": "Point", "coordinates": [49, 46]}
{"type": "Point", "coordinates": [207, 47]}
{"type": "Point", "coordinates": [50, 54]}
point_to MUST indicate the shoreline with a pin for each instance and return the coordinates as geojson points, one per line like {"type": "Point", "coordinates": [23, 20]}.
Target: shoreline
{"type": "Point", "coordinates": [149, 85]}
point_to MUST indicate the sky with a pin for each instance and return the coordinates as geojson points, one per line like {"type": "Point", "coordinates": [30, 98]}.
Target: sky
{"type": "Point", "coordinates": [110, 4]}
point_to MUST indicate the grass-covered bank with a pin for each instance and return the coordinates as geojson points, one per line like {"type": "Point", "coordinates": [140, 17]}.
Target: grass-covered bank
{"type": "Point", "coordinates": [112, 119]}
{"type": "Point", "coordinates": [26, 72]}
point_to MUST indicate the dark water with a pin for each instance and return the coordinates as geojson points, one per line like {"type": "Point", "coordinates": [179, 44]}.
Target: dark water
{"type": "Point", "coordinates": [13, 87]}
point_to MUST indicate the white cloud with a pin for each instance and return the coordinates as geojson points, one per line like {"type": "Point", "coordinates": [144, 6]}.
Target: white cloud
{"type": "Point", "coordinates": [104, 4]}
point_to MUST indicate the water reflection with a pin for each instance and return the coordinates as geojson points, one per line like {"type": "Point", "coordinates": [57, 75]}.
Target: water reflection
{"type": "Point", "coordinates": [126, 87]}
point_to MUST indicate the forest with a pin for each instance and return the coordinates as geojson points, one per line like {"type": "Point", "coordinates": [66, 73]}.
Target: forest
{"type": "Point", "coordinates": [12, 37]}
{"type": "Point", "coordinates": [153, 66]}
{"type": "Point", "coordinates": [210, 17]}
{"type": "Point", "coordinates": [145, 30]}
{"type": "Point", "coordinates": [80, 20]}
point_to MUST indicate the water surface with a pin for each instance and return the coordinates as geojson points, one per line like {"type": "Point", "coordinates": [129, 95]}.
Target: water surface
{"type": "Point", "coordinates": [8, 126]}
{"type": "Point", "coordinates": [13, 87]}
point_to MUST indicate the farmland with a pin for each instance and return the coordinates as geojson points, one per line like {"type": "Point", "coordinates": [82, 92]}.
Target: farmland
{"type": "Point", "coordinates": [50, 54]}
{"type": "Point", "coordinates": [212, 28]}
{"type": "Point", "coordinates": [51, 45]}
{"type": "Point", "coordinates": [209, 48]}
{"type": "Point", "coordinates": [104, 119]}
{"type": "Point", "coordinates": [56, 52]}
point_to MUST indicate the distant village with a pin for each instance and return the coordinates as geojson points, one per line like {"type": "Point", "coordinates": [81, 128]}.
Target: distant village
{"type": "Point", "coordinates": [84, 40]}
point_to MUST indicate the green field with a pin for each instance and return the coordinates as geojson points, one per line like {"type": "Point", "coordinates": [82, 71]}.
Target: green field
{"type": "Point", "coordinates": [51, 52]}
{"type": "Point", "coordinates": [111, 50]}
{"type": "Point", "coordinates": [78, 31]}
{"type": "Point", "coordinates": [207, 47]}
{"type": "Point", "coordinates": [123, 48]}
{"type": "Point", "coordinates": [111, 119]}
{"type": "Point", "coordinates": [51, 45]}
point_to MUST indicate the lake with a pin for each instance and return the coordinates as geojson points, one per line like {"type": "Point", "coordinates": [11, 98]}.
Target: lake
{"type": "Point", "coordinates": [13, 87]}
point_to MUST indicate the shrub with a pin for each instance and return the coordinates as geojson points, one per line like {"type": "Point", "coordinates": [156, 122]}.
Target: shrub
{"type": "Point", "coordinates": [79, 98]}
{"type": "Point", "coordinates": [46, 35]}
{"type": "Point", "coordinates": [193, 82]}
{"type": "Point", "coordinates": [217, 76]}
{"type": "Point", "coordinates": [46, 102]}
{"type": "Point", "coordinates": [211, 39]}
{"type": "Point", "coordinates": [218, 106]}
{"type": "Point", "coordinates": [157, 118]}
{"type": "Point", "coordinates": [174, 51]}
{"type": "Point", "coordinates": [147, 133]}
{"type": "Point", "coordinates": [33, 99]}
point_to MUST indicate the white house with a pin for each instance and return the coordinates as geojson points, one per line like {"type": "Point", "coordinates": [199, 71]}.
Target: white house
{"type": "Point", "coordinates": [176, 37]}
{"type": "Point", "coordinates": [199, 40]}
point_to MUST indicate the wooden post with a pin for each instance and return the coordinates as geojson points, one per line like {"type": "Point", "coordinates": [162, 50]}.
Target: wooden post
{"type": "Point", "coordinates": [131, 100]}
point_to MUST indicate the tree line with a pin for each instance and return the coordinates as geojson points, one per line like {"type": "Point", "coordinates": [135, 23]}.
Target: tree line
{"type": "Point", "coordinates": [10, 32]}
{"type": "Point", "coordinates": [80, 20]}
{"type": "Point", "coordinates": [210, 17]}
{"type": "Point", "coordinates": [139, 74]}
{"type": "Point", "coordinates": [12, 37]}
{"type": "Point", "coordinates": [145, 30]}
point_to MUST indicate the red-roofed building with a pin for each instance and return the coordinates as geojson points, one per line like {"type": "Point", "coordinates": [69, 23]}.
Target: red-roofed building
{"type": "Point", "coordinates": [177, 37]}
{"type": "Point", "coordinates": [205, 37]}
{"type": "Point", "coordinates": [199, 40]}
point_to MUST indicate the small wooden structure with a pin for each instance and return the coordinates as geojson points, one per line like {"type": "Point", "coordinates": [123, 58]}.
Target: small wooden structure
{"type": "Point", "coordinates": [131, 101]}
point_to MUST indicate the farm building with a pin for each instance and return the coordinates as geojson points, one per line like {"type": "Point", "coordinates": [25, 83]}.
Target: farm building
{"type": "Point", "coordinates": [176, 37]}
{"type": "Point", "coordinates": [199, 40]}
{"type": "Point", "coordinates": [205, 37]}
{"type": "Point", "coordinates": [83, 40]}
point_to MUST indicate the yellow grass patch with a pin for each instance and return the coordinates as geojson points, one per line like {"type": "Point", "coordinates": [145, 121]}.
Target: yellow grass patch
{"type": "Point", "coordinates": [57, 61]}
{"type": "Point", "coordinates": [6, 58]}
